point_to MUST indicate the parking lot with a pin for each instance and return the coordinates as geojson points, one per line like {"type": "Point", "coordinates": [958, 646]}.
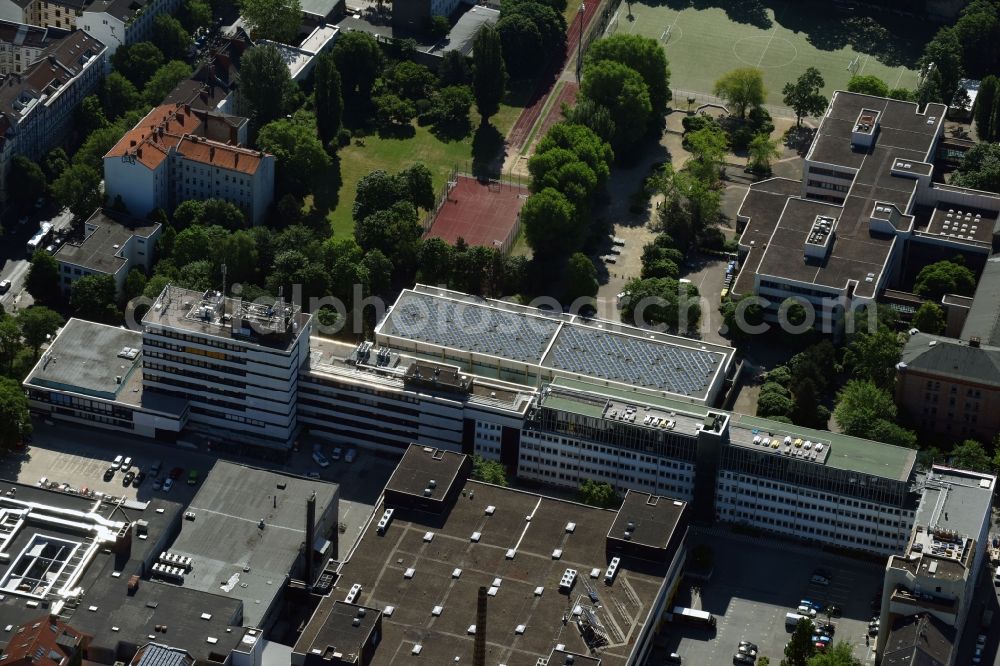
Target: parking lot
{"type": "Point", "coordinates": [755, 583]}
{"type": "Point", "coordinates": [77, 457]}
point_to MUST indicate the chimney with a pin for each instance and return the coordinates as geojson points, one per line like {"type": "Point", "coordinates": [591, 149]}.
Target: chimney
{"type": "Point", "coordinates": [211, 153]}
{"type": "Point", "coordinates": [974, 341]}
{"type": "Point", "coordinates": [310, 536]}
{"type": "Point", "coordinates": [479, 649]}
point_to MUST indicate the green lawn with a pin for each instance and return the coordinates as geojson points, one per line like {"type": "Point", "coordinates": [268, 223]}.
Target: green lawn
{"type": "Point", "coordinates": [393, 154]}
{"type": "Point", "coordinates": [782, 37]}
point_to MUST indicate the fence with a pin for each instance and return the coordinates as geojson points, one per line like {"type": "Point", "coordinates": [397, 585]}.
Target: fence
{"type": "Point", "coordinates": [681, 97]}
{"type": "Point", "coordinates": [510, 181]}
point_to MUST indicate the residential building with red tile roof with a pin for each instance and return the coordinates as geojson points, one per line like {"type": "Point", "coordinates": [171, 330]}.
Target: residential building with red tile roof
{"type": "Point", "coordinates": [47, 641]}
{"type": "Point", "coordinates": [178, 153]}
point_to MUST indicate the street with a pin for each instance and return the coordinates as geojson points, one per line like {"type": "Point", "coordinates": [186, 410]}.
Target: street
{"type": "Point", "coordinates": [12, 251]}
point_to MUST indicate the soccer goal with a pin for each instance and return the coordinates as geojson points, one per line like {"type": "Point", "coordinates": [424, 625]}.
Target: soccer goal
{"type": "Point", "coordinates": [665, 35]}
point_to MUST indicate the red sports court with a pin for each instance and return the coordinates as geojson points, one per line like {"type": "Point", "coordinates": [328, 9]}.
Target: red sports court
{"type": "Point", "coordinates": [483, 213]}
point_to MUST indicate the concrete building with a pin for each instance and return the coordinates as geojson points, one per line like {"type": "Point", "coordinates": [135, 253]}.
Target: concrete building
{"type": "Point", "coordinates": [438, 542]}
{"type": "Point", "coordinates": [250, 534]}
{"type": "Point", "coordinates": [113, 244]}
{"type": "Point", "coordinates": [302, 58]}
{"type": "Point", "coordinates": [92, 374]}
{"type": "Point", "coordinates": [177, 153]}
{"type": "Point", "coordinates": [38, 106]}
{"type": "Point", "coordinates": [235, 363]}
{"type": "Point", "coordinates": [865, 209]}
{"type": "Point", "coordinates": [949, 387]}
{"type": "Point", "coordinates": [937, 572]}
{"type": "Point", "coordinates": [23, 45]}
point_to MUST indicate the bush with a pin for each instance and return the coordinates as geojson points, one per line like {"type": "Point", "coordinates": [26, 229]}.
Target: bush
{"type": "Point", "coordinates": [712, 238]}
{"type": "Point", "coordinates": [697, 122]}
{"type": "Point", "coordinates": [343, 137]}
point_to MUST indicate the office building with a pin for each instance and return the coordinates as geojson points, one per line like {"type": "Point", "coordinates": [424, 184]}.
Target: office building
{"type": "Point", "coordinates": [935, 575]}
{"type": "Point", "coordinates": [113, 244]}
{"type": "Point", "coordinates": [38, 105]}
{"type": "Point", "coordinates": [439, 545]}
{"type": "Point", "coordinates": [865, 209]}
{"type": "Point", "coordinates": [235, 363]}
{"type": "Point", "coordinates": [177, 153]}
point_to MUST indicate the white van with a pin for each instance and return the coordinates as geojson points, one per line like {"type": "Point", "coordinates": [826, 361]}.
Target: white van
{"type": "Point", "coordinates": [792, 620]}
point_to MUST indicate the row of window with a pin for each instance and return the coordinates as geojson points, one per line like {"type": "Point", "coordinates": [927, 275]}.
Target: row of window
{"type": "Point", "coordinates": [834, 535]}
{"type": "Point", "coordinates": [814, 494]}
{"type": "Point", "coordinates": [820, 171]}
{"type": "Point", "coordinates": [823, 185]}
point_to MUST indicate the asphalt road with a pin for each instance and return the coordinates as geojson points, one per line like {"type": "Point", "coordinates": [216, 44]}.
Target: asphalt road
{"type": "Point", "coordinates": [13, 260]}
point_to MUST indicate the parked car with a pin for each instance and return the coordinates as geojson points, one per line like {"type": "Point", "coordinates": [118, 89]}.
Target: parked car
{"type": "Point", "coordinates": [337, 453]}
{"type": "Point", "coordinates": [808, 611]}
{"type": "Point", "coordinates": [109, 473]}
{"type": "Point", "coordinates": [819, 580]}
{"type": "Point", "coordinates": [811, 604]}
{"type": "Point", "coordinates": [167, 485]}
{"type": "Point", "coordinates": [4, 286]}
{"type": "Point", "coordinates": [192, 477]}
{"type": "Point", "coordinates": [175, 473]}
{"type": "Point", "coordinates": [673, 658]}
{"type": "Point", "coordinates": [127, 479]}
{"type": "Point", "coordinates": [154, 471]}
{"type": "Point", "coordinates": [350, 455]}
{"type": "Point", "coordinates": [117, 462]}
{"type": "Point", "coordinates": [320, 459]}
{"type": "Point", "coordinates": [127, 463]}
{"type": "Point", "coordinates": [140, 476]}
{"type": "Point", "coordinates": [157, 485]}
{"type": "Point", "coordinates": [740, 658]}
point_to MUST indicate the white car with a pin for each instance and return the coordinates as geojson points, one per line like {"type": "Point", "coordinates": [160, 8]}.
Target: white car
{"type": "Point", "coordinates": [167, 485]}
{"type": "Point", "coordinates": [808, 611]}
{"type": "Point", "coordinates": [117, 462]}
{"type": "Point", "coordinates": [320, 459]}
{"type": "Point", "coordinates": [4, 286]}
{"type": "Point", "coordinates": [127, 463]}
{"type": "Point", "coordinates": [337, 452]}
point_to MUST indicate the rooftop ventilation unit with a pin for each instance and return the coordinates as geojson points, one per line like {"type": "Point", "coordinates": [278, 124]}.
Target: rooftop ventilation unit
{"type": "Point", "coordinates": [353, 594]}
{"type": "Point", "coordinates": [383, 523]}
{"type": "Point", "coordinates": [568, 580]}
{"type": "Point", "coordinates": [609, 575]}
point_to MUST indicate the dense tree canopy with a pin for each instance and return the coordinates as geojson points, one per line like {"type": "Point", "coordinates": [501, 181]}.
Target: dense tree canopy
{"type": "Point", "coordinates": [277, 20]}
{"type": "Point", "coordinates": [530, 33]}
{"type": "Point", "coordinates": [644, 55]}
{"type": "Point", "coordinates": [137, 62]}
{"type": "Point", "coordinates": [93, 297]}
{"type": "Point", "coordinates": [980, 168]}
{"type": "Point", "coordinates": [580, 278]}
{"type": "Point", "coordinates": [15, 422]}
{"type": "Point", "coordinates": [25, 181]}
{"type": "Point", "coordinates": [38, 324]}
{"type": "Point", "coordinates": [170, 37]}
{"type": "Point", "coordinates": [598, 493]}
{"type": "Point", "coordinates": [489, 471]}
{"type": "Point", "coordinates": [971, 454]}
{"type": "Point", "coordinates": [265, 84]}
{"type": "Point", "coordinates": [489, 73]}
{"type": "Point", "coordinates": [868, 84]}
{"type": "Point", "coordinates": [985, 112]}
{"type": "Point", "coordinates": [929, 318]}
{"type": "Point", "coordinates": [865, 410]}
{"type": "Point", "coordinates": [622, 91]}
{"type": "Point", "coordinates": [945, 277]}
{"type": "Point", "coordinates": [359, 61]}
{"type": "Point", "coordinates": [78, 189]}
{"type": "Point", "coordinates": [742, 88]}
{"type": "Point", "coordinates": [661, 302]}
{"type": "Point", "coordinates": [550, 222]}
{"type": "Point", "coordinates": [299, 156]}
{"type": "Point", "coordinates": [803, 95]}
{"type": "Point", "coordinates": [164, 80]}
{"type": "Point", "coordinates": [42, 281]}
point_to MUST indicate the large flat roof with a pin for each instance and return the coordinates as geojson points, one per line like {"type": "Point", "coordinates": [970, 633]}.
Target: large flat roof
{"type": "Point", "coordinates": [435, 606]}
{"type": "Point", "coordinates": [983, 320]}
{"type": "Point", "coordinates": [956, 500]}
{"type": "Point", "coordinates": [558, 344]}
{"type": "Point", "coordinates": [225, 538]}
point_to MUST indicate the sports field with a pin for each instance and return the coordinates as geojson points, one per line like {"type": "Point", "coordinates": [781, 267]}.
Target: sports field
{"type": "Point", "coordinates": [705, 39]}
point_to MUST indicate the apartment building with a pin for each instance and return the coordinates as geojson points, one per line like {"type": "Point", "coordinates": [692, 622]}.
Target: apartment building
{"type": "Point", "coordinates": [865, 203]}
{"type": "Point", "coordinates": [118, 22]}
{"type": "Point", "coordinates": [177, 153]}
{"type": "Point", "coordinates": [935, 575]}
{"type": "Point", "coordinates": [37, 106]}
{"type": "Point", "coordinates": [113, 244]}
{"type": "Point", "coordinates": [236, 363]}
{"type": "Point", "coordinates": [22, 45]}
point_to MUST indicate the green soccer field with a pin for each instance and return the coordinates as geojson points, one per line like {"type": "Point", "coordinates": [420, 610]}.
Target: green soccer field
{"type": "Point", "coordinates": [705, 39]}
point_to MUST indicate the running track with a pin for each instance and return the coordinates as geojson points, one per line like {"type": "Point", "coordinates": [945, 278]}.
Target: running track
{"type": "Point", "coordinates": [522, 127]}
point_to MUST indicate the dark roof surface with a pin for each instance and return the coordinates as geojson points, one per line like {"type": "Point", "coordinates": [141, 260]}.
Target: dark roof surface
{"type": "Point", "coordinates": [449, 568]}
{"type": "Point", "coordinates": [919, 640]}
{"type": "Point", "coordinates": [422, 464]}
{"type": "Point", "coordinates": [99, 250]}
{"type": "Point", "coordinates": [653, 518]}
{"type": "Point", "coordinates": [983, 320]}
{"type": "Point", "coordinates": [952, 358]}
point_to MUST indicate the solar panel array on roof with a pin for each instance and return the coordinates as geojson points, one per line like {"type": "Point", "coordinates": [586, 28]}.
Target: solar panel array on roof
{"type": "Point", "coordinates": [634, 361]}
{"type": "Point", "coordinates": [484, 330]}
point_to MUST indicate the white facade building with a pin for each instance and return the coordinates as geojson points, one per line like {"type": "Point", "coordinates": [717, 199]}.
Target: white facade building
{"type": "Point", "coordinates": [118, 22]}
{"type": "Point", "coordinates": [167, 158]}
{"type": "Point", "coordinates": [22, 45]}
{"type": "Point", "coordinates": [113, 244]}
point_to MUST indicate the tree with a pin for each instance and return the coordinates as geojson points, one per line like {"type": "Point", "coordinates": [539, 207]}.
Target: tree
{"type": "Point", "coordinates": [222, 213]}
{"type": "Point", "coordinates": [580, 278]}
{"type": "Point", "coordinates": [902, 94]}
{"type": "Point", "coordinates": [135, 284]}
{"type": "Point", "coordinates": [929, 318]}
{"type": "Point", "coordinates": [196, 14]}
{"type": "Point", "coordinates": [762, 150]}
{"type": "Point", "coordinates": [453, 69]}
{"type": "Point", "coordinates": [644, 55]}
{"type": "Point", "coordinates": [800, 648]}
{"type": "Point", "coordinates": [622, 91]}
{"type": "Point", "coordinates": [489, 73]}
{"type": "Point", "coordinates": [265, 84]}
{"type": "Point", "coordinates": [329, 101]}
{"type": "Point", "coordinates": [170, 37]}
{"type": "Point", "coordinates": [971, 455]}
{"type": "Point", "coordinates": [93, 297]}
{"type": "Point", "coordinates": [873, 356]}
{"type": "Point", "coordinates": [410, 80]}
{"type": "Point", "coordinates": [550, 223]}
{"type": "Point", "coordinates": [276, 20]}
{"type": "Point", "coordinates": [10, 342]}
{"type": "Point", "coordinates": [803, 95]}
{"type": "Point", "coordinates": [91, 114]}
{"type": "Point", "coordinates": [980, 168]}
{"type": "Point", "coordinates": [450, 106]}
{"type": "Point", "coordinates": [119, 96]}
{"type": "Point", "coordinates": [742, 88]}
{"type": "Point", "coordinates": [42, 281]}
{"type": "Point", "coordinates": [359, 61]}
{"type": "Point", "coordinates": [661, 302]}
{"type": "Point", "coordinates": [25, 181]}
{"type": "Point", "coordinates": [944, 277]}
{"type": "Point", "coordinates": [592, 116]}
{"type": "Point", "coordinates": [841, 654]}
{"type": "Point", "coordinates": [944, 54]}
{"type": "Point", "coordinates": [137, 62]}
{"type": "Point", "coordinates": [15, 421]}
{"type": "Point", "coordinates": [55, 162]}
{"type": "Point", "coordinates": [393, 110]}
{"type": "Point", "coordinates": [531, 33]}
{"type": "Point", "coordinates": [97, 144]}
{"type": "Point", "coordinates": [708, 148]}
{"type": "Point", "coordinates": [985, 112]}
{"type": "Point", "coordinates": [868, 85]}
{"type": "Point", "coordinates": [489, 471]}
{"type": "Point", "coordinates": [165, 80]}
{"type": "Point", "coordinates": [417, 185]}
{"type": "Point", "coordinates": [78, 188]}
{"type": "Point", "coordinates": [598, 493]}
{"type": "Point", "coordinates": [862, 407]}
{"type": "Point", "coordinates": [38, 324]}
{"type": "Point", "coordinates": [584, 143]}
{"type": "Point", "coordinates": [299, 156]}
